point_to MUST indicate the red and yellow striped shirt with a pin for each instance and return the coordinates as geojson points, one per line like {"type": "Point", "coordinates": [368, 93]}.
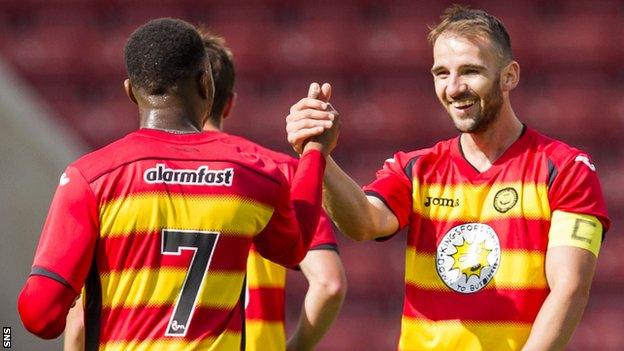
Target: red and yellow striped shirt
{"type": "Point", "coordinates": [266, 281]}
{"type": "Point", "coordinates": [474, 277]}
{"type": "Point", "coordinates": [163, 236]}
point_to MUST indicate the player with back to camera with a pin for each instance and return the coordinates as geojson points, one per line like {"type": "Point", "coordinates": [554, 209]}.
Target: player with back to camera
{"type": "Point", "coordinates": [264, 310]}
{"type": "Point", "coordinates": [157, 225]}
{"type": "Point", "coordinates": [504, 223]}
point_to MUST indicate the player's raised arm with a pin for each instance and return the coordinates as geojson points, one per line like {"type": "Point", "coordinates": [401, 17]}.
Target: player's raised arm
{"type": "Point", "coordinates": [305, 196]}
{"type": "Point", "coordinates": [357, 215]}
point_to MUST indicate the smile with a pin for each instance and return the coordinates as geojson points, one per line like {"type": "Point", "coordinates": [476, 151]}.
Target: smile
{"type": "Point", "coordinates": [463, 104]}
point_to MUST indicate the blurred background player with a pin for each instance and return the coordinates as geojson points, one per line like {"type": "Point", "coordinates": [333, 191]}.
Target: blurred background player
{"type": "Point", "coordinates": [157, 226]}
{"type": "Point", "coordinates": [505, 224]}
{"type": "Point", "coordinates": [322, 268]}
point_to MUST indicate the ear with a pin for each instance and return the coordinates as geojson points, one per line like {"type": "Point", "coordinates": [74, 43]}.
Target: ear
{"type": "Point", "coordinates": [229, 105]}
{"type": "Point", "coordinates": [510, 76]}
{"type": "Point", "coordinates": [205, 85]}
{"type": "Point", "coordinates": [128, 89]}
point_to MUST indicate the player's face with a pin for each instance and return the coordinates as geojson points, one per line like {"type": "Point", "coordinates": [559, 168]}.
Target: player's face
{"type": "Point", "coordinates": [466, 74]}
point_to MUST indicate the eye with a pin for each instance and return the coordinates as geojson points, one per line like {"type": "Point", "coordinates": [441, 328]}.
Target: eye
{"type": "Point", "coordinates": [471, 71]}
{"type": "Point", "coordinates": [440, 74]}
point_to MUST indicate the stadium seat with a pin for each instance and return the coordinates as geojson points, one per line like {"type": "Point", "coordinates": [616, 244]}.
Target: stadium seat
{"type": "Point", "coordinates": [314, 44]}
{"type": "Point", "coordinates": [242, 36]}
{"type": "Point", "coordinates": [394, 44]}
{"type": "Point", "coordinates": [582, 39]}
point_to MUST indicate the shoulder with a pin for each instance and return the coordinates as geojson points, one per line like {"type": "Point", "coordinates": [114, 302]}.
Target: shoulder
{"type": "Point", "coordinates": [423, 157]}
{"type": "Point", "coordinates": [101, 161]}
{"type": "Point", "coordinates": [258, 158]}
{"type": "Point", "coordinates": [286, 164]}
{"type": "Point", "coordinates": [250, 146]}
{"type": "Point", "coordinates": [558, 153]}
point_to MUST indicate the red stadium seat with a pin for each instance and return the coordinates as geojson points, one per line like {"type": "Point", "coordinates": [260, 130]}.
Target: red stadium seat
{"type": "Point", "coordinates": [609, 271]}
{"type": "Point", "coordinates": [583, 111]}
{"type": "Point", "coordinates": [251, 42]}
{"type": "Point", "coordinates": [395, 44]}
{"type": "Point", "coordinates": [602, 324]}
{"type": "Point", "coordinates": [582, 39]}
{"type": "Point", "coordinates": [316, 44]}
{"type": "Point", "coordinates": [51, 52]}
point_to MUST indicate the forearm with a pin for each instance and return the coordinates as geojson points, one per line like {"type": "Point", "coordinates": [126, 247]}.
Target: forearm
{"type": "Point", "coordinates": [557, 319]}
{"type": "Point", "coordinates": [326, 292]}
{"type": "Point", "coordinates": [317, 314]}
{"type": "Point", "coordinates": [347, 204]}
{"type": "Point", "coordinates": [74, 338]}
{"type": "Point", "coordinates": [569, 271]}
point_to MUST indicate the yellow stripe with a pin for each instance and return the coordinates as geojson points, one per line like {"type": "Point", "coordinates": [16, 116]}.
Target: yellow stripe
{"type": "Point", "coordinates": [264, 336]}
{"type": "Point", "coordinates": [154, 211]}
{"type": "Point", "coordinates": [518, 269]}
{"type": "Point", "coordinates": [455, 335]}
{"type": "Point", "coordinates": [475, 203]}
{"type": "Point", "coordinates": [159, 287]}
{"type": "Point", "coordinates": [225, 341]}
{"type": "Point", "coordinates": [264, 273]}
{"type": "Point", "coordinates": [578, 230]}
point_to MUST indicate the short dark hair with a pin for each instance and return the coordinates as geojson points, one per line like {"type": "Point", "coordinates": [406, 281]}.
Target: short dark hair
{"type": "Point", "coordinates": [223, 73]}
{"type": "Point", "coordinates": [162, 53]}
{"type": "Point", "coordinates": [468, 22]}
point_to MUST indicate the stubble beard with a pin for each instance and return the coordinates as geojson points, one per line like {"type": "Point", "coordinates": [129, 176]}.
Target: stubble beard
{"type": "Point", "coordinates": [493, 101]}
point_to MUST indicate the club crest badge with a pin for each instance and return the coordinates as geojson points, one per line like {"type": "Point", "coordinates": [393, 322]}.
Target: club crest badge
{"type": "Point", "coordinates": [468, 257]}
{"type": "Point", "coordinates": [505, 199]}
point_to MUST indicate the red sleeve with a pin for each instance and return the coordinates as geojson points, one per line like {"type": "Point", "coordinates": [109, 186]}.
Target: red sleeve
{"type": "Point", "coordinates": [576, 189]}
{"type": "Point", "coordinates": [324, 237]}
{"type": "Point", "coordinates": [286, 238]}
{"type": "Point", "coordinates": [43, 305]}
{"type": "Point", "coordinates": [65, 247]}
{"type": "Point", "coordinates": [394, 187]}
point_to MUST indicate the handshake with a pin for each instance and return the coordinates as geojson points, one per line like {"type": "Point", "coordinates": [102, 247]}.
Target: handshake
{"type": "Point", "coordinates": [313, 123]}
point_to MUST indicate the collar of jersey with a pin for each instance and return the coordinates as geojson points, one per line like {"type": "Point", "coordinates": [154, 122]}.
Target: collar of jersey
{"type": "Point", "coordinates": [184, 138]}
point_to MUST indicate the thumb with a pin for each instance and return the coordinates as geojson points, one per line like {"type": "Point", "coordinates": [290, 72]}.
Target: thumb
{"type": "Point", "coordinates": [326, 91]}
{"type": "Point", "coordinates": [314, 90]}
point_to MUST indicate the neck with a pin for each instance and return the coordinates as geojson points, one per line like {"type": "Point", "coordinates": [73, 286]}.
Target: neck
{"type": "Point", "coordinates": [212, 125]}
{"type": "Point", "coordinates": [169, 114]}
{"type": "Point", "coordinates": [484, 148]}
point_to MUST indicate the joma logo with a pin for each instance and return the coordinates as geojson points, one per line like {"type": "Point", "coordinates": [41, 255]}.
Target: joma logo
{"type": "Point", "coordinates": [440, 201]}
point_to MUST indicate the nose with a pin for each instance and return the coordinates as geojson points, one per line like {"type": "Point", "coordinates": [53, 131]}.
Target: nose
{"type": "Point", "coordinates": [455, 87]}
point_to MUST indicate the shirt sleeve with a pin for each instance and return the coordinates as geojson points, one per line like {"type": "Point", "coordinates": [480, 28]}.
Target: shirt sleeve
{"type": "Point", "coordinates": [393, 186]}
{"type": "Point", "coordinates": [67, 242]}
{"type": "Point", "coordinates": [287, 237]}
{"type": "Point", "coordinates": [576, 189]}
{"type": "Point", "coordinates": [324, 237]}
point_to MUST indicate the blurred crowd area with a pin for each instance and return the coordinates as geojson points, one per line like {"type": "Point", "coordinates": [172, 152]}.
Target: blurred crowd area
{"type": "Point", "coordinates": [376, 56]}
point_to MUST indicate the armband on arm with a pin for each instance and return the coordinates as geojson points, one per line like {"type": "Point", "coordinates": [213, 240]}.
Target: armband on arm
{"type": "Point", "coordinates": [578, 230]}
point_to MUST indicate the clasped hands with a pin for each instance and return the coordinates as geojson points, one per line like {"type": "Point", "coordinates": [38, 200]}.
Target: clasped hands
{"type": "Point", "coordinates": [313, 123]}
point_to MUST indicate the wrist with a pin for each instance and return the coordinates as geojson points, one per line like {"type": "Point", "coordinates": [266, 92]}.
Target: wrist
{"type": "Point", "coordinates": [312, 147]}
{"type": "Point", "coordinates": [315, 146]}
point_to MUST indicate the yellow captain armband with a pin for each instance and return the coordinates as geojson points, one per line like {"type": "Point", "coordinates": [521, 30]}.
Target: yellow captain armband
{"type": "Point", "coordinates": [573, 229]}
